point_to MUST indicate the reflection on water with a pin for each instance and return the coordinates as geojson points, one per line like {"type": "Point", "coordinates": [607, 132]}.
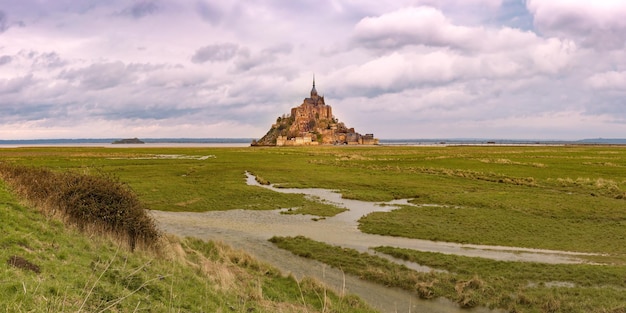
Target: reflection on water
{"type": "Point", "coordinates": [249, 230]}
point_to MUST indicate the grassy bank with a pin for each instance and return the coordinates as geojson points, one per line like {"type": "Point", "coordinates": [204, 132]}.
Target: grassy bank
{"type": "Point", "coordinates": [471, 282]}
{"type": "Point", "coordinates": [46, 266]}
{"type": "Point", "coordinates": [95, 204]}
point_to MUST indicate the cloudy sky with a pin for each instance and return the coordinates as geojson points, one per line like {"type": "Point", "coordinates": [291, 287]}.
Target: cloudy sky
{"type": "Point", "coordinates": [517, 69]}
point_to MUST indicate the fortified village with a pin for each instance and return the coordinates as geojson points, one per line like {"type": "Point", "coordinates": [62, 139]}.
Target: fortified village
{"type": "Point", "coordinates": [312, 123]}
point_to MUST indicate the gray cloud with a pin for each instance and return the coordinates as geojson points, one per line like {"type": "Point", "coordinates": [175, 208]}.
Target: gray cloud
{"type": "Point", "coordinates": [148, 112]}
{"type": "Point", "coordinates": [4, 24]}
{"type": "Point", "coordinates": [5, 59]}
{"type": "Point", "coordinates": [247, 60]}
{"type": "Point", "coordinates": [209, 12]}
{"type": "Point", "coordinates": [141, 9]}
{"type": "Point", "coordinates": [100, 75]}
{"type": "Point", "coordinates": [281, 48]}
{"type": "Point", "coordinates": [15, 85]}
{"type": "Point", "coordinates": [215, 53]}
{"type": "Point", "coordinates": [48, 60]}
{"type": "Point", "coordinates": [19, 112]}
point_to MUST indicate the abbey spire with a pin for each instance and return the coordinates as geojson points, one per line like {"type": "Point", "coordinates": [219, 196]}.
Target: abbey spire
{"type": "Point", "coordinates": [313, 91]}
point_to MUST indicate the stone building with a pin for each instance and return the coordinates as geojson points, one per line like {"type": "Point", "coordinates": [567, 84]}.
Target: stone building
{"type": "Point", "coordinates": [312, 123]}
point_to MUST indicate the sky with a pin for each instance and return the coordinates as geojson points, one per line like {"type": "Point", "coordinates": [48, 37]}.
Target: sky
{"type": "Point", "coordinates": [505, 69]}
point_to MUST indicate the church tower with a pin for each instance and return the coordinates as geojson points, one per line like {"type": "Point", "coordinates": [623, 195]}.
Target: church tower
{"type": "Point", "coordinates": [313, 90]}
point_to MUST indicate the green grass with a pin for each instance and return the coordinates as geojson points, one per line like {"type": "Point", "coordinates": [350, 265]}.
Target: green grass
{"type": "Point", "coordinates": [561, 197]}
{"type": "Point", "coordinates": [512, 286]}
{"type": "Point", "coordinates": [98, 203]}
{"type": "Point", "coordinates": [525, 286]}
{"type": "Point", "coordinates": [73, 271]}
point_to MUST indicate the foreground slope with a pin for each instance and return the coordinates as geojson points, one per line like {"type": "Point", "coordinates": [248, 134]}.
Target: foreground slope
{"type": "Point", "coordinates": [49, 267]}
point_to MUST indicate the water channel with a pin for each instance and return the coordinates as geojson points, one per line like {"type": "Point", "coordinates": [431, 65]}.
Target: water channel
{"type": "Point", "coordinates": [250, 230]}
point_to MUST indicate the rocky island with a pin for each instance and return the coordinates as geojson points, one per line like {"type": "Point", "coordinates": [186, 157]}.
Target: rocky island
{"type": "Point", "coordinates": [128, 141]}
{"type": "Point", "coordinates": [312, 123]}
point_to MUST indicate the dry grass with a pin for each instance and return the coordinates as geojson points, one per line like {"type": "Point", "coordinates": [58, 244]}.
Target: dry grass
{"type": "Point", "coordinates": [469, 291]}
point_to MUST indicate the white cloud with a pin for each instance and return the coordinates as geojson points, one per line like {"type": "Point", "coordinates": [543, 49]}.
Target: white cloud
{"type": "Point", "coordinates": [608, 80]}
{"type": "Point", "coordinates": [553, 55]}
{"type": "Point", "coordinates": [413, 26]}
{"type": "Point", "coordinates": [501, 51]}
{"type": "Point", "coordinates": [598, 24]}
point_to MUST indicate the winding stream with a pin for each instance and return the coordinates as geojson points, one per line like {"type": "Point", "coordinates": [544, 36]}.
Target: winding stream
{"type": "Point", "coordinates": [250, 230]}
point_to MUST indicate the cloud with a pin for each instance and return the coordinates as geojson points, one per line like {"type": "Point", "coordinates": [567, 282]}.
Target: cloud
{"type": "Point", "coordinates": [419, 47]}
{"type": "Point", "coordinates": [414, 68]}
{"type": "Point", "coordinates": [209, 12]}
{"type": "Point", "coordinates": [147, 113]}
{"type": "Point", "coordinates": [399, 71]}
{"type": "Point", "coordinates": [99, 75]}
{"type": "Point", "coordinates": [47, 60]}
{"type": "Point", "coordinates": [3, 21]}
{"type": "Point", "coordinates": [15, 85]}
{"type": "Point", "coordinates": [427, 26]}
{"type": "Point", "coordinates": [598, 24]}
{"type": "Point", "coordinates": [406, 68]}
{"type": "Point", "coordinates": [464, 4]}
{"type": "Point", "coordinates": [281, 48]}
{"type": "Point", "coordinates": [141, 9]}
{"type": "Point", "coordinates": [215, 53]}
{"type": "Point", "coordinates": [612, 80]}
{"type": "Point", "coordinates": [553, 55]}
{"type": "Point", "coordinates": [5, 59]}
{"type": "Point", "coordinates": [247, 60]}
{"type": "Point", "coordinates": [412, 26]}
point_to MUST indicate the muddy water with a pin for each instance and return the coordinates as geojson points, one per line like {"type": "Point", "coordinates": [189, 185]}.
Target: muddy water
{"type": "Point", "coordinates": [249, 230]}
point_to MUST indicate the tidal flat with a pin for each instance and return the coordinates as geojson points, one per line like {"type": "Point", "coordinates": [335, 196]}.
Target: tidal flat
{"type": "Point", "coordinates": [556, 198]}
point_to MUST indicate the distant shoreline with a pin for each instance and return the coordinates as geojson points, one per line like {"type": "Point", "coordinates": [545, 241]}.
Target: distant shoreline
{"type": "Point", "coordinates": [244, 142]}
{"type": "Point", "coordinates": [109, 142]}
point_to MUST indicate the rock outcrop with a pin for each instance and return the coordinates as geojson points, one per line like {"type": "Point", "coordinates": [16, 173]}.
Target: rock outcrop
{"type": "Point", "coordinates": [312, 123]}
{"type": "Point", "coordinates": [128, 141]}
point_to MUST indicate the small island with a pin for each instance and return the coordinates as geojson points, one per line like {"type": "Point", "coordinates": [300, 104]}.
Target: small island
{"type": "Point", "coordinates": [128, 141]}
{"type": "Point", "coordinates": [312, 123]}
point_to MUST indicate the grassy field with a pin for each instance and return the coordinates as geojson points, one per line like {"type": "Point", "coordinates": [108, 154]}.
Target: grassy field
{"type": "Point", "coordinates": [550, 197]}
{"type": "Point", "coordinates": [471, 282]}
{"type": "Point", "coordinates": [49, 267]}
{"type": "Point", "coordinates": [569, 198]}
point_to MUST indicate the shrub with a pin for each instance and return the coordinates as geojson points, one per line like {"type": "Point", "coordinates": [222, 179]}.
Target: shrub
{"type": "Point", "coordinates": [93, 203]}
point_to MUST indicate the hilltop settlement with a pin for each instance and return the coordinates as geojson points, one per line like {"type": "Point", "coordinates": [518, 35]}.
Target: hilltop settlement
{"type": "Point", "coordinates": [312, 123]}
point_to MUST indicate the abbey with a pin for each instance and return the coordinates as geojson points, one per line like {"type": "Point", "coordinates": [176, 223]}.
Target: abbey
{"type": "Point", "coordinates": [312, 123]}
